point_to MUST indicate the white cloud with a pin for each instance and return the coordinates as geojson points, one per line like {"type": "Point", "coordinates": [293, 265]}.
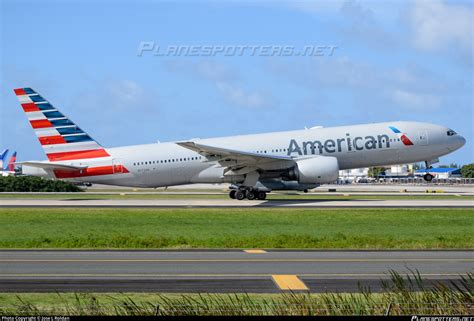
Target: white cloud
{"type": "Point", "coordinates": [408, 87]}
{"type": "Point", "coordinates": [435, 24]}
{"type": "Point", "coordinates": [413, 100]}
{"type": "Point", "coordinates": [204, 69]}
{"type": "Point", "coordinates": [226, 80]}
{"type": "Point", "coordinates": [334, 73]}
{"type": "Point", "coordinates": [114, 96]}
{"type": "Point", "coordinates": [313, 7]}
{"type": "Point", "coordinates": [361, 25]}
{"type": "Point", "coordinates": [240, 97]}
{"type": "Point", "coordinates": [125, 92]}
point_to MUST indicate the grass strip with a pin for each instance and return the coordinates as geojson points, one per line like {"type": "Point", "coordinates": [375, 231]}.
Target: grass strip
{"type": "Point", "coordinates": [237, 228]}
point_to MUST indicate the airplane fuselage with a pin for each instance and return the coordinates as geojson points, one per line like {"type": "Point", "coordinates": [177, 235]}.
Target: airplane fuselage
{"type": "Point", "coordinates": [168, 164]}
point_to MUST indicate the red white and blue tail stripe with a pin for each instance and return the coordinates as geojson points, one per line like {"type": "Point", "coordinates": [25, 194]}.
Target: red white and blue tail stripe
{"type": "Point", "coordinates": [60, 138]}
{"type": "Point", "coordinates": [3, 156]}
{"type": "Point", "coordinates": [11, 164]}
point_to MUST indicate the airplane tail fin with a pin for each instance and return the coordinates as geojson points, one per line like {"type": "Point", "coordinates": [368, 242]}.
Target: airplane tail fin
{"type": "Point", "coordinates": [3, 155]}
{"type": "Point", "coordinates": [11, 164]}
{"type": "Point", "coordinates": [60, 138]}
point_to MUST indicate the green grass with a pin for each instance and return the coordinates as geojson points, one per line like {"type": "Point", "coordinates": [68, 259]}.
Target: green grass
{"type": "Point", "coordinates": [273, 196]}
{"type": "Point", "coordinates": [401, 296]}
{"type": "Point", "coordinates": [236, 228]}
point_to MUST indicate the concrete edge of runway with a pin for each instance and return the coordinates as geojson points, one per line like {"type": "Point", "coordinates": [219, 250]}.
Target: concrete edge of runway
{"type": "Point", "coordinates": [215, 286]}
{"type": "Point", "coordinates": [242, 206]}
{"type": "Point", "coordinates": [226, 250]}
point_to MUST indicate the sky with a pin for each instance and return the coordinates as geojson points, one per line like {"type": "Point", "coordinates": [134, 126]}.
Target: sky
{"type": "Point", "coordinates": [368, 61]}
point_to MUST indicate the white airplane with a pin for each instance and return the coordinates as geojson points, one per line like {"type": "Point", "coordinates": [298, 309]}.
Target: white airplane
{"type": "Point", "coordinates": [253, 164]}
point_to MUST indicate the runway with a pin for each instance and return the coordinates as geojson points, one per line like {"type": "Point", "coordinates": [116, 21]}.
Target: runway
{"type": "Point", "coordinates": [220, 271]}
{"type": "Point", "coordinates": [229, 203]}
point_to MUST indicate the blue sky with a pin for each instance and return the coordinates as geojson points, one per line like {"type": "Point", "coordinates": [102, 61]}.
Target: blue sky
{"type": "Point", "coordinates": [395, 60]}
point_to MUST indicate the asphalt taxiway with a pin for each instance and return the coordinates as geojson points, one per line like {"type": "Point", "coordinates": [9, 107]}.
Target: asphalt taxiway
{"type": "Point", "coordinates": [250, 271]}
{"type": "Point", "coordinates": [228, 203]}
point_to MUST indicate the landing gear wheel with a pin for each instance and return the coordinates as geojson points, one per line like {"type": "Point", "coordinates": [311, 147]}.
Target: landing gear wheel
{"type": "Point", "coordinates": [232, 194]}
{"type": "Point", "coordinates": [261, 195]}
{"type": "Point", "coordinates": [428, 177]}
{"type": "Point", "coordinates": [239, 195]}
{"type": "Point", "coordinates": [250, 195]}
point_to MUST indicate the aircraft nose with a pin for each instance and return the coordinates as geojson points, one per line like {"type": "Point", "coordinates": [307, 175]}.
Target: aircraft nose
{"type": "Point", "coordinates": [458, 142]}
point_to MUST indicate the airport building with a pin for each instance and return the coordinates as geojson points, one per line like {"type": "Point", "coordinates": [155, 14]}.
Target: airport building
{"type": "Point", "coordinates": [440, 173]}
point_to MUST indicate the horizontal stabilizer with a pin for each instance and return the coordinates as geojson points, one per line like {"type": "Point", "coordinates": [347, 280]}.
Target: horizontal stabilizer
{"type": "Point", "coordinates": [52, 166]}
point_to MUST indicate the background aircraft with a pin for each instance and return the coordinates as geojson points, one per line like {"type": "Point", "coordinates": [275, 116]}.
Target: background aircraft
{"type": "Point", "coordinates": [8, 169]}
{"type": "Point", "coordinates": [3, 156]}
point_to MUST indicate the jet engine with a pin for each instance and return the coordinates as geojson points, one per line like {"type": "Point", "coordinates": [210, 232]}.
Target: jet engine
{"type": "Point", "coordinates": [316, 170]}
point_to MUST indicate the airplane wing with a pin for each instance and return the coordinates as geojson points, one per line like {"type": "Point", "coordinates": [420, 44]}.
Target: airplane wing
{"type": "Point", "coordinates": [52, 166]}
{"type": "Point", "coordinates": [239, 162]}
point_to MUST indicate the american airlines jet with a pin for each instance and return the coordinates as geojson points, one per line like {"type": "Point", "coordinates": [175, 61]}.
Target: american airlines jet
{"type": "Point", "coordinates": [253, 164]}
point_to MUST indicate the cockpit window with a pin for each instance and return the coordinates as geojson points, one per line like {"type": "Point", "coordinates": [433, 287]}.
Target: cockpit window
{"type": "Point", "coordinates": [451, 132]}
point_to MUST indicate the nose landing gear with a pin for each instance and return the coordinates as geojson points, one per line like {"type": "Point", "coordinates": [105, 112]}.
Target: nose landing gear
{"type": "Point", "coordinates": [428, 177]}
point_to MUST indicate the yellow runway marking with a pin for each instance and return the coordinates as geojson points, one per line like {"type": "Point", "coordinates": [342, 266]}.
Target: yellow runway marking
{"type": "Point", "coordinates": [208, 275]}
{"type": "Point", "coordinates": [289, 282]}
{"type": "Point", "coordinates": [255, 251]}
{"type": "Point", "coordinates": [237, 260]}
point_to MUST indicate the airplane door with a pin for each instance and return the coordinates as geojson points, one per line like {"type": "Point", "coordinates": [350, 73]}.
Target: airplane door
{"type": "Point", "coordinates": [423, 137]}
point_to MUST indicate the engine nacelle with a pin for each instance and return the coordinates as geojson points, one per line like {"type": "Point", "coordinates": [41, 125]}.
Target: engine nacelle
{"type": "Point", "coordinates": [317, 170]}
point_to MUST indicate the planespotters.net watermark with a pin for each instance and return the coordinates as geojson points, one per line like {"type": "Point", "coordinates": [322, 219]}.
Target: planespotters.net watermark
{"type": "Point", "coordinates": [154, 49]}
{"type": "Point", "coordinates": [441, 318]}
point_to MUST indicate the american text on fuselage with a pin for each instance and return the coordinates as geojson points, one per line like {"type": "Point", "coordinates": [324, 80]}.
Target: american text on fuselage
{"type": "Point", "coordinates": [330, 146]}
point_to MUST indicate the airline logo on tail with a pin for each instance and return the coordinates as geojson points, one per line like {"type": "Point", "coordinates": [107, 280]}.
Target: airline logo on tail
{"type": "Point", "coordinates": [405, 140]}
{"type": "Point", "coordinates": [11, 164]}
{"type": "Point", "coordinates": [63, 140]}
{"type": "Point", "coordinates": [3, 155]}
{"type": "Point", "coordinates": [60, 138]}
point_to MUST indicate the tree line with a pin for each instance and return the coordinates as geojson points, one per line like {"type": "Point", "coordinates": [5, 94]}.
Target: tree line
{"type": "Point", "coordinates": [35, 184]}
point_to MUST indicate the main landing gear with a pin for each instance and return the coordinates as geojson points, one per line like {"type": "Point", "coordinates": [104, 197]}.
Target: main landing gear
{"type": "Point", "coordinates": [248, 193]}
